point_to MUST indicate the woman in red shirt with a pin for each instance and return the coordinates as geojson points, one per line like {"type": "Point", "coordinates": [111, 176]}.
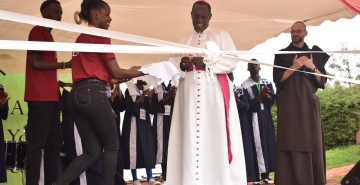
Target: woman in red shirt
{"type": "Point", "coordinates": [88, 103]}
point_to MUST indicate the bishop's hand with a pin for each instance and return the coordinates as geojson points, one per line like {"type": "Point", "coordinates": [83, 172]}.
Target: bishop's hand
{"type": "Point", "coordinates": [185, 62]}
{"type": "Point", "coordinates": [198, 61]}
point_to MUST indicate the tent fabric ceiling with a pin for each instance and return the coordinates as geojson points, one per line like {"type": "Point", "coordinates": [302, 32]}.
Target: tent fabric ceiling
{"type": "Point", "coordinates": [248, 22]}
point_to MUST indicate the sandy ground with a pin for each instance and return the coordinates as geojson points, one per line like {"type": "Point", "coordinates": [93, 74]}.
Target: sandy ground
{"type": "Point", "coordinates": [334, 175]}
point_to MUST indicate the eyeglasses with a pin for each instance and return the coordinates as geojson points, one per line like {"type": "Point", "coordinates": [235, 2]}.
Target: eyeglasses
{"type": "Point", "coordinates": [296, 31]}
{"type": "Point", "coordinates": [197, 16]}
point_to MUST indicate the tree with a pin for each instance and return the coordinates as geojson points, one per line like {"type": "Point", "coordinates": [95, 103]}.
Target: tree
{"type": "Point", "coordinates": [345, 65]}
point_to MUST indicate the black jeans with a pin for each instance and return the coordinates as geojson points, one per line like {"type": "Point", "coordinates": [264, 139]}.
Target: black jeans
{"type": "Point", "coordinates": [43, 132]}
{"type": "Point", "coordinates": [93, 173]}
{"type": "Point", "coordinates": [164, 168]}
{"type": "Point", "coordinates": [91, 111]}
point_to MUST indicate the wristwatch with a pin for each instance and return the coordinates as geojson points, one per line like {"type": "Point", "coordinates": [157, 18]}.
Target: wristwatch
{"type": "Point", "coordinates": [315, 70]}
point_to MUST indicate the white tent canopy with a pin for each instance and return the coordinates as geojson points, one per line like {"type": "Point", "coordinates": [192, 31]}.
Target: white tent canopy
{"type": "Point", "coordinates": [248, 22]}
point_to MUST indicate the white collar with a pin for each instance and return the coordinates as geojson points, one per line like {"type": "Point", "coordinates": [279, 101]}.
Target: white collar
{"type": "Point", "coordinates": [206, 30]}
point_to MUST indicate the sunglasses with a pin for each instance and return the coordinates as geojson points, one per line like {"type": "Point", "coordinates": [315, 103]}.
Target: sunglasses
{"type": "Point", "coordinates": [197, 16]}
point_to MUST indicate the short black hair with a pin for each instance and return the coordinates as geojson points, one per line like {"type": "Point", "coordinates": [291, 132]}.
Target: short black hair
{"type": "Point", "coordinates": [201, 3]}
{"type": "Point", "coordinates": [253, 59]}
{"type": "Point", "coordinates": [47, 3]}
{"type": "Point", "coordinates": [88, 5]}
{"type": "Point", "coordinates": [301, 22]}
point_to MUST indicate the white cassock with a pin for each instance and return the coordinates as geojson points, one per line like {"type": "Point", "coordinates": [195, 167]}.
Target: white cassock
{"type": "Point", "coordinates": [198, 149]}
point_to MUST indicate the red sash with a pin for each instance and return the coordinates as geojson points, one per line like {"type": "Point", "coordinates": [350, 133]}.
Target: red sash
{"type": "Point", "coordinates": [226, 93]}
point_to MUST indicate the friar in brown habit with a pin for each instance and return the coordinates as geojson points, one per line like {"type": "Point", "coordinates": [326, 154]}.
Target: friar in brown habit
{"type": "Point", "coordinates": [300, 151]}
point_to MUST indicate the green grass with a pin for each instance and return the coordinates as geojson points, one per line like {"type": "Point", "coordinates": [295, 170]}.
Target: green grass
{"type": "Point", "coordinates": [342, 156]}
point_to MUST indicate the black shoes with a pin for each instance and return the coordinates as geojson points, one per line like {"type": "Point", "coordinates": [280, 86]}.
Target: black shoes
{"type": "Point", "coordinates": [268, 181]}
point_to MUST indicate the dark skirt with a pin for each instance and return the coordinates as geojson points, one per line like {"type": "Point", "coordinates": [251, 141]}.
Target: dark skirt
{"type": "Point", "coordinates": [300, 168]}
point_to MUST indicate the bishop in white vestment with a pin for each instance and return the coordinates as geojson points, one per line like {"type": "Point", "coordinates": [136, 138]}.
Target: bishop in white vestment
{"type": "Point", "coordinates": [205, 145]}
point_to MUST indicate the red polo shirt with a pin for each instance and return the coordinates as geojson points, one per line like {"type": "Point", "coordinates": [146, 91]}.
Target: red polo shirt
{"type": "Point", "coordinates": [91, 65]}
{"type": "Point", "coordinates": [41, 85]}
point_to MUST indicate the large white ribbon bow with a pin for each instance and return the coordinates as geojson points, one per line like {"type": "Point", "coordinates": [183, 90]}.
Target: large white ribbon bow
{"type": "Point", "coordinates": [212, 55]}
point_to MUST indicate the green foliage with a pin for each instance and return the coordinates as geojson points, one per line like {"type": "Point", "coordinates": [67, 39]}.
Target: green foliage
{"type": "Point", "coordinates": [340, 109]}
{"type": "Point", "coordinates": [274, 116]}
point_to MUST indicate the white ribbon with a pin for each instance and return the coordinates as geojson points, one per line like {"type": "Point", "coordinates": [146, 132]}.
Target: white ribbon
{"type": "Point", "coordinates": [212, 56]}
{"type": "Point", "coordinates": [285, 52]}
{"type": "Point", "coordinates": [323, 75]}
{"type": "Point", "coordinates": [27, 19]}
{"type": "Point", "coordinates": [98, 48]}
{"type": "Point", "coordinates": [212, 53]}
{"type": "Point", "coordinates": [163, 47]}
